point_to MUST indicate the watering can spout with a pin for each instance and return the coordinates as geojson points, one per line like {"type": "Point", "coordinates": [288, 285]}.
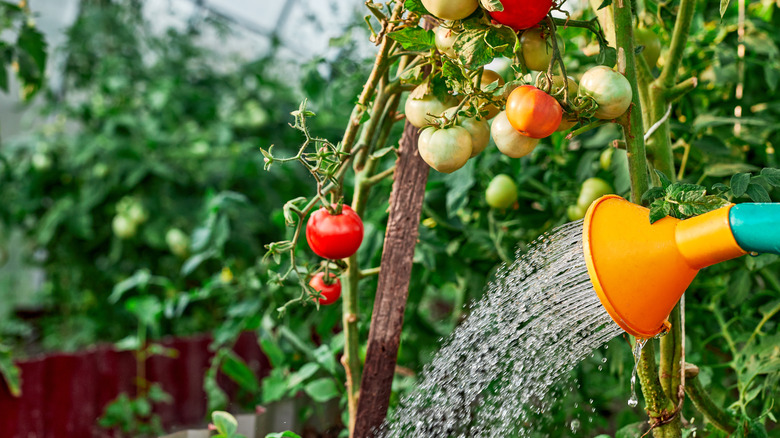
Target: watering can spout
{"type": "Point", "coordinates": [640, 271]}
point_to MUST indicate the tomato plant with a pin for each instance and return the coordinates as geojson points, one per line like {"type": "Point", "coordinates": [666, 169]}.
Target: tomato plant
{"type": "Point", "coordinates": [533, 112]}
{"type": "Point", "coordinates": [651, 43]}
{"type": "Point", "coordinates": [592, 189]}
{"type": "Point", "coordinates": [329, 289]}
{"type": "Point", "coordinates": [451, 9]}
{"type": "Point", "coordinates": [501, 192]}
{"type": "Point", "coordinates": [488, 78]}
{"type": "Point", "coordinates": [522, 14]}
{"type": "Point", "coordinates": [508, 140]}
{"type": "Point", "coordinates": [479, 130]}
{"type": "Point", "coordinates": [536, 49]}
{"type": "Point", "coordinates": [446, 150]}
{"type": "Point", "coordinates": [334, 236]}
{"type": "Point", "coordinates": [611, 91]}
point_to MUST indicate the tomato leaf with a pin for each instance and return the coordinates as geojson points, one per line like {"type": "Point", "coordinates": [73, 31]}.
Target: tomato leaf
{"type": "Point", "coordinates": [607, 56]}
{"type": "Point", "coordinates": [492, 5]}
{"type": "Point", "coordinates": [237, 370]}
{"type": "Point", "coordinates": [416, 6]}
{"type": "Point", "coordinates": [10, 372]}
{"type": "Point", "coordinates": [758, 193]}
{"type": "Point", "coordinates": [321, 390]}
{"type": "Point", "coordinates": [739, 183]}
{"type": "Point", "coordinates": [225, 423]}
{"type": "Point", "coordinates": [604, 4]}
{"type": "Point", "coordinates": [413, 38]}
{"type": "Point", "coordinates": [771, 175]}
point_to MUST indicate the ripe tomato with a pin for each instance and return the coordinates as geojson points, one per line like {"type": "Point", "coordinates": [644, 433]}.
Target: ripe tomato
{"type": "Point", "coordinates": [610, 90]}
{"type": "Point", "coordinates": [521, 14]}
{"type": "Point", "coordinates": [592, 189]}
{"type": "Point", "coordinates": [451, 9]}
{"type": "Point", "coordinates": [446, 150]}
{"type": "Point", "coordinates": [533, 112]}
{"type": "Point", "coordinates": [334, 236]}
{"type": "Point", "coordinates": [421, 112]}
{"type": "Point", "coordinates": [510, 142]}
{"type": "Point", "coordinates": [537, 49]}
{"type": "Point", "coordinates": [488, 77]}
{"type": "Point", "coordinates": [330, 292]}
{"type": "Point", "coordinates": [648, 38]}
{"type": "Point", "coordinates": [445, 40]}
{"type": "Point", "coordinates": [478, 129]}
{"type": "Point", "coordinates": [501, 192]}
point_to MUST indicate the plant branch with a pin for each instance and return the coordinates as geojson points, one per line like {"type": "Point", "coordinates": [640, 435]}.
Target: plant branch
{"type": "Point", "coordinates": [704, 404]}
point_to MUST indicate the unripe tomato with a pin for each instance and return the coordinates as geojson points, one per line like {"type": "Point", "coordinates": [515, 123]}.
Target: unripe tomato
{"type": "Point", "coordinates": [330, 292]}
{"type": "Point", "coordinates": [478, 129]}
{"type": "Point", "coordinates": [41, 161]}
{"type": "Point", "coordinates": [137, 213]}
{"type": "Point", "coordinates": [510, 142]}
{"type": "Point", "coordinates": [446, 150]}
{"type": "Point", "coordinates": [648, 38]}
{"type": "Point", "coordinates": [178, 242]}
{"type": "Point", "coordinates": [451, 9]}
{"type": "Point", "coordinates": [533, 112]}
{"type": "Point", "coordinates": [522, 14]}
{"type": "Point", "coordinates": [537, 49]}
{"type": "Point", "coordinates": [575, 212]}
{"type": "Point", "coordinates": [592, 189]}
{"type": "Point", "coordinates": [501, 192]}
{"type": "Point", "coordinates": [334, 236]}
{"type": "Point", "coordinates": [568, 120]}
{"type": "Point", "coordinates": [610, 90]}
{"type": "Point", "coordinates": [488, 77]}
{"type": "Point", "coordinates": [605, 160]}
{"type": "Point", "coordinates": [123, 227]}
{"type": "Point", "coordinates": [421, 112]}
{"type": "Point", "coordinates": [445, 41]}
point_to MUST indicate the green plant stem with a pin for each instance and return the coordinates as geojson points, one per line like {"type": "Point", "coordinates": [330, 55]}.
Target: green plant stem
{"type": "Point", "coordinates": [704, 404]}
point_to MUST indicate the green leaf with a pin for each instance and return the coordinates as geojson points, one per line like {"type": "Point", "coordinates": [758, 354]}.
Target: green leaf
{"type": "Point", "coordinates": [724, 4]}
{"type": "Point", "coordinates": [321, 390]}
{"type": "Point", "coordinates": [771, 175]}
{"type": "Point", "coordinates": [325, 357]}
{"type": "Point", "coordinates": [653, 194]}
{"type": "Point", "coordinates": [225, 423]}
{"type": "Point", "coordinates": [728, 169]}
{"type": "Point", "coordinates": [237, 370]}
{"type": "Point", "coordinates": [632, 430]}
{"type": "Point", "coordinates": [302, 375]}
{"type": "Point", "coordinates": [659, 210]}
{"type": "Point", "coordinates": [665, 181]}
{"type": "Point", "coordinates": [739, 183]}
{"type": "Point", "coordinates": [472, 48]}
{"type": "Point", "coordinates": [271, 349]}
{"type": "Point", "coordinates": [274, 386]}
{"type": "Point", "coordinates": [607, 56]}
{"type": "Point", "coordinates": [139, 280]}
{"type": "Point", "coordinates": [604, 4]}
{"type": "Point", "coordinates": [414, 38]}
{"type": "Point", "coordinates": [758, 193]}
{"type": "Point", "coordinates": [492, 5]}
{"type": "Point", "coordinates": [10, 373]}
{"type": "Point", "coordinates": [416, 6]}
{"type": "Point", "coordinates": [285, 434]}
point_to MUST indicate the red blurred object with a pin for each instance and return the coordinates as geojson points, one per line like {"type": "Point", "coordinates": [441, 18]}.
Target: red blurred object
{"type": "Point", "coordinates": [63, 395]}
{"type": "Point", "coordinates": [522, 14]}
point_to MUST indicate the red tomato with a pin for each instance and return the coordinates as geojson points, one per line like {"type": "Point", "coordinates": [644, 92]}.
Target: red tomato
{"type": "Point", "coordinates": [522, 14]}
{"type": "Point", "coordinates": [334, 236]}
{"type": "Point", "coordinates": [532, 112]}
{"type": "Point", "coordinates": [330, 292]}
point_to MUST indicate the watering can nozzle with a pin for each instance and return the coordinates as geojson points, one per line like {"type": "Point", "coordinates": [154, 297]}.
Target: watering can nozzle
{"type": "Point", "coordinates": [640, 271]}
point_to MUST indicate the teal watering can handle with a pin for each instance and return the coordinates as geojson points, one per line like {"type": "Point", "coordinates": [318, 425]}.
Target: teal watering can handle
{"type": "Point", "coordinates": [756, 227]}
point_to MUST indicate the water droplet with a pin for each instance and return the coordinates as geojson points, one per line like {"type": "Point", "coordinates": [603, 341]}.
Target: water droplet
{"type": "Point", "coordinates": [632, 401]}
{"type": "Point", "coordinates": [575, 425]}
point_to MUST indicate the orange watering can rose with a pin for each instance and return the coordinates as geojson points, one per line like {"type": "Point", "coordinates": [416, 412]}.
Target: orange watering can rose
{"type": "Point", "coordinates": [640, 271]}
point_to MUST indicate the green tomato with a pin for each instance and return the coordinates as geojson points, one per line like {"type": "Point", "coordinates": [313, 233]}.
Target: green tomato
{"type": "Point", "coordinates": [592, 189]}
{"type": "Point", "coordinates": [611, 91]}
{"type": "Point", "coordinates": [445, 41]}
{"type": "Point", "coordinates": [446, 150]}
{"type": "Point", "coordinates": [652, 44]}
{"type": "Point", "coordinates": [421, 112]}
{"type": "Point", "coordinates": [508, 140]}
{"type": "Point", "coordinates": [178, 242]}
{"type": "Point", "coordinates": [451, 9]}
{"type": "Point", "coordinates": [123, 227]}
{"type": "Point", "coordinates": [575, 212]}
{"type": "Point", "coordinates": [137, 213]}
{"type": "Point", "coordinates": [41, 161]}
{"type": "Point", "coordinates": [605, 160]}
{"type": "Point", "coordinates": [537, 49]}
{"type": "Point", "coordinates": [478, 129]}
{"type": "Point", "coordinates": [501, 192]}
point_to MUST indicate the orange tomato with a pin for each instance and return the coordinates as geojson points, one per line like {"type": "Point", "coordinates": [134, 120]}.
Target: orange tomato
{"type": "Point", "coordinates": [532, 112]}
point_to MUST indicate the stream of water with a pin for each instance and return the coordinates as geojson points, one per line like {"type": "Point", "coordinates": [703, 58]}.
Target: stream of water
{"type": "Point", "coordinates": [494, 374]}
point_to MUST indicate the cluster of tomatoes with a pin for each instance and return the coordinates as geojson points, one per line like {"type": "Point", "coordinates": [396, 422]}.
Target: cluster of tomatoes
{"type": "Point", "coordinates": [451, 135]}
{"type": "Point", "coordinates": [332, 235]}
